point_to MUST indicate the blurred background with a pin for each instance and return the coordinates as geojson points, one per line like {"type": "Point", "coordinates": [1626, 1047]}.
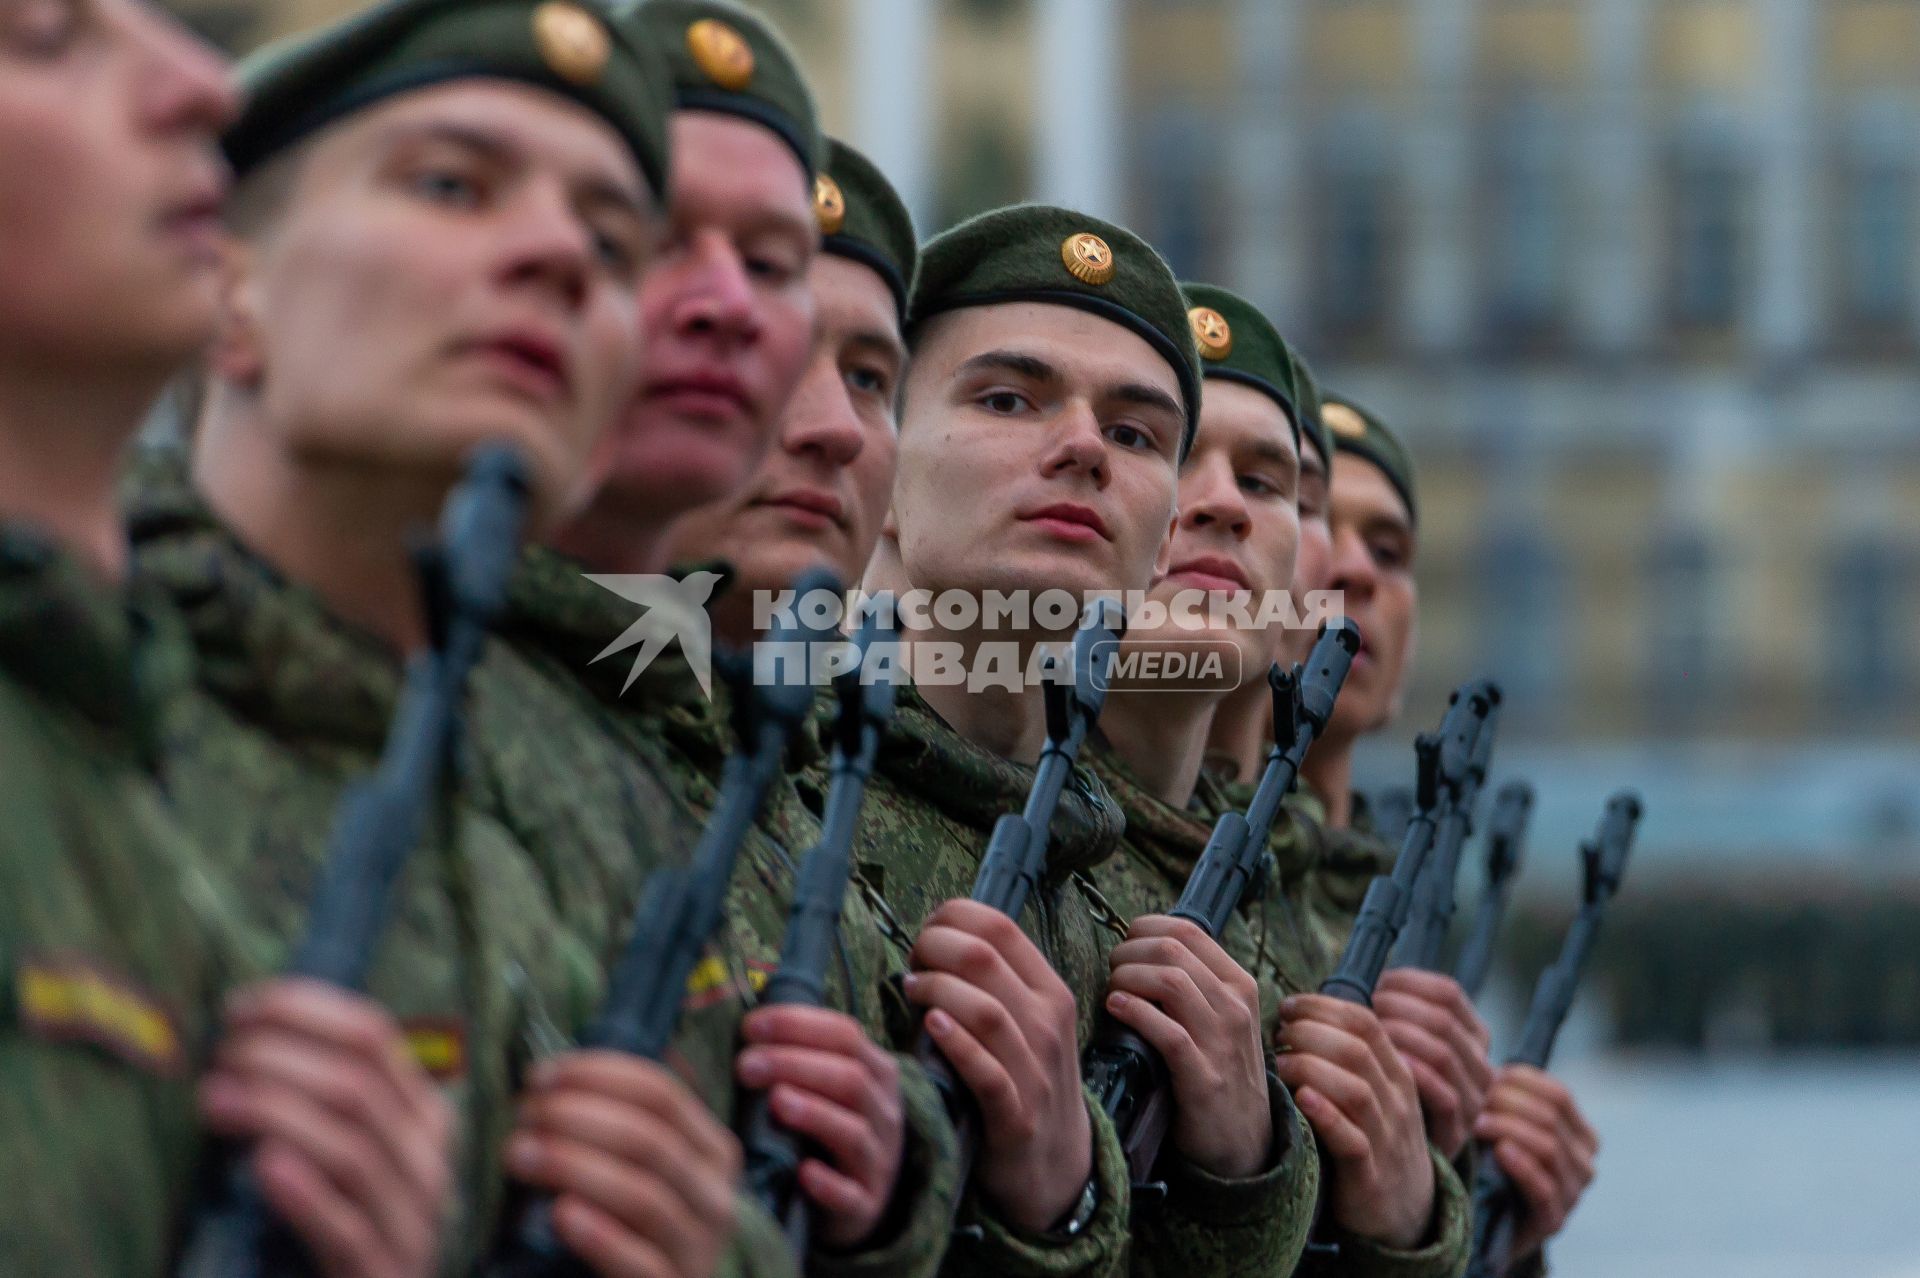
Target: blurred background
{"type": "Point", "coordinates": [1639, 280]}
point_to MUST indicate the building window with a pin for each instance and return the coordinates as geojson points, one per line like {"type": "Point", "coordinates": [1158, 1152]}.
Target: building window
{"type": "Point", "coordinates": [1877, 238]}
{"type": "Point", "coordinates": [1181, 203]}
{"type": "Point", "coordinates": [1867, 585]}
{"type": "Point", "coordinates": [1681, 678]}
{"type": "Point", "coordinates": [1523, 249]}
{"type": "Point", "coordinates": [1354, 228]}
{"type": "Point", "coordinates": [1709, 193]}
{"type": "Point", "coordinates": [987, 169]}
{"type": "Point", "coordinates": [1521, 607]}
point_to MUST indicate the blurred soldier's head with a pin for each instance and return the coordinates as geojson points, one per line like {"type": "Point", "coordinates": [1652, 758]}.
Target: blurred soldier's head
{"type": "Point", "coordinates": [1373, 521]}
{"type": "Point", "coordinates": [727, 309]}
{"type": "Point", "coordinates": [1053, 393]}
{"type": "Point", "coordinates": [818, 497]}
{"type": "Point", "coordinates": [445, 213]}
{"type": "Point", "coordinates": [111, 187]}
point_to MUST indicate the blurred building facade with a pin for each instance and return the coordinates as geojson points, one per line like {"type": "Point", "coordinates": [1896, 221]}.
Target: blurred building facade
{"type": "Point", "coordinates": [1638, 279]}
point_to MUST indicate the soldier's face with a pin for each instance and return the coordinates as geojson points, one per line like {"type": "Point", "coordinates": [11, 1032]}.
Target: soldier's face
{"type": "Point", "coordinates": [1373, 549]}
{"type": "Point", "coordinates": [454, 266]}
{"type": "Point", "coordinates": [112, 186]}
{"type": "Point", "coordinates": [820, 494]}
{"type": "Point", "coordinates": [728, 319]}
{"type": "Point", "coordinates": [1038, 450]}
{"type": "Point", "coordinates": [1315, 563]}
{"type": "Point", "coordinates": [1239, 522]}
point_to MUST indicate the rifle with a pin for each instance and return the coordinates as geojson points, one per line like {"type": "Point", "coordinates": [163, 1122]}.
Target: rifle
{"type": "Point", "coordinates": [1425, 935]}
{"type": "Point", "coordinates": [1496, 1208]}
{"type": "Point", "coordinates": [1443, 759]}
{"type": "Point", "coordinates": [1506, 839]}
{"type": "Point", "coordinates": [379, 819]}
{"type": "Point", "coordinates": [681, 907]}
{"type": "Point", "coordinates": [813, 922]}
{"type": "Point", "coordinates": [1122, 1069]}
{"type": "Point", "coordinates": [1016, 857]}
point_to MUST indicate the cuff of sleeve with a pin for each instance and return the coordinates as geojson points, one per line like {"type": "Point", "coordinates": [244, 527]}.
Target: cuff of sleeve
{"type": "Point", "coordinates": [913, 1237]}
{"type": "Point", "coordinates": [759, 1247]}
{"type": "Point", "coordinates": [1444, 1252]}
{"type": "Point", "coordinates": [987, 1245]}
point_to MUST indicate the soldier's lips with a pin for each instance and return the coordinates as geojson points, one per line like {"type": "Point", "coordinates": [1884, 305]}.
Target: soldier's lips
{"type": "Point", "coordinates": [808, 508]}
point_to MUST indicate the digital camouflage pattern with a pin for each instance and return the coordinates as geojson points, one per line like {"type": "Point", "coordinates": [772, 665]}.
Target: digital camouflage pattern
{"type": "Point", "coordinates": [292, 705]}
{"type": "Point", "coordinates": [113, 950]}
{"type": "Point", "coordinates": [1256, 1226]}
{"type": "Point", "coordinates": [930, 810]}
{"type": "Point", "coordinates": [647, 756]}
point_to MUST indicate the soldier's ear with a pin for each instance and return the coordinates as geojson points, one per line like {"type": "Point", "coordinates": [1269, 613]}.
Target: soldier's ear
{"type": "Point", "coordinates": [1163, 561]}
{"type": "Point", "coordinates": [238, 354]}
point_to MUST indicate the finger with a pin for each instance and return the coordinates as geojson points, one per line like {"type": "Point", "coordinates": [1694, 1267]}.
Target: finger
{"type": "Point", "coordinates": [1439, 1101]}
{"type": "Point", "coordinates": [610, 1249]}
{"type": "Point", "coordinates": [342, 1240]}
{"type": "Point", "coordinates": [1332, 1043]}
{"type": "Point", "coordinates": [1543, 1149]}
{"type": "Point", "coordinates": [811, 1027]}
{"type": "Point", "coordinates": [1340, 1087]}
{"type": "Point", "coordinates": [629, 1080]}
{"type": "Point", "coordinates": [1176, 994]}
{"type": "Point", "coordinates": [349, 1023]}
{"type": "Point", "coordinates": [648, 1205]}
{"type": "Point", "coordinates": [835, 1077]}
{"type": "Point", "coordinates": [836, 1194]}
{"type": "Point", "coordinates": [1436, 1070]}
{"type": "Point", "coordinates": [1164, 1034]}
{"type": "Point", "coordinates": [1444, 994]}
{"type": "Point", "coordinates": [1339, 1135]}
{"type": "Point", "coordinates": [634, 1138]}
{"type": "Point", "coordinates": [973, 959]}
{"type": "Point", "coordinates": [987, 1021]}
{"type": "Point", "coordinates": [1545, 1213]}
{"type": "Point", "coordinates": [1015, 948]}
{"type": "Point", "coordinates": [980, 1072]}
{"type": "Point", "coordinates": [349, 1158]}
{"type": "Point", "coordinates": [1523, 1107]}
{"type": "Point", "coordinates": [847, 1138]}
{"type": "Point", "coordinates": [1204, 949]}
{"type": "Point", "coordinates": [1550, 1090]}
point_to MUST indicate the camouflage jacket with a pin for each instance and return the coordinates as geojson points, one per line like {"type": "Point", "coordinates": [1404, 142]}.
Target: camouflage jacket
{"type": "Point", "coordinates": [1350, 860]}
{"type": "Point", "coordinates": [628, 791]}
{"type": "Point", "coordinates": [1210, 1225]}
{"type": "Point", "coordinates": [292, 705]}
{"type": "Point", "coordinates": [113, 949]}
{"type": "Point", "coordinates": [930, 810]}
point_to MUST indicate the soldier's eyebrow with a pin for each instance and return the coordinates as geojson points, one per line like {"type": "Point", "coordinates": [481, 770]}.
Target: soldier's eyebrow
{"type": "Point", "coordinates": [1020, 365]}
{"type": "Point", "coordinates": [1142, 395]}
{"type": "Point", "coordinates": [1267, 451]}
{"type": "Point", "coordinates": [592, 188]}
{"type": "Point", "coordinates": [879, 341]}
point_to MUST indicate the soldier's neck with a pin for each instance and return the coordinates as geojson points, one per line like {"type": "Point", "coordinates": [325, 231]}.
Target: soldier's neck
{"type": "Point", "coordinates": [608, 537]}
{"type": "Point", "coordinates": [341, 529]}
{"type": "Point", "coordinates": [1329, 770]}
{"type": "Point", "coordinates": [1162, 738]}
{"type": "Point", "coordinates": [63, 439]}
{"type": "Point", "coordinates": [1242, 729]}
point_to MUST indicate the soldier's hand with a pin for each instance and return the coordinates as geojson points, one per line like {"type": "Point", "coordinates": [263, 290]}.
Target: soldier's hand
{"type": "Point", "coordinates": [643, 1176]}
{"type": "Point", "coordinates": [1004, 1020]}
{"type": "Point", "coordinates": [1358, 1095]}
{"type": "Point", "coordinates": [1541, 1140]}
{"type": "Point", "coordinates": [1174, 986]}
{"type": "Point", "coordinates": [351, 1138]}
{"type": "Point", "coordinates": [828, 1082]}
{"type": "Point", "coordinates": [1445, 1043]}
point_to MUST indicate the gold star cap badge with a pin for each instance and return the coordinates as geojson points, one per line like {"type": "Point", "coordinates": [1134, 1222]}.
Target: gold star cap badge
{"type": "Point", "coordinates": [1211, 332]}
{"type": "Point", "coordinates": [721, 53]}
{"type": "Point", "coordinates": [573, 43]}
{"type": "Point", "coordinates": [829, 205]}
{"type": "Point", "coordinates": [1343, 421]}
{"type": "Point", "coordinates": [1088, 258]}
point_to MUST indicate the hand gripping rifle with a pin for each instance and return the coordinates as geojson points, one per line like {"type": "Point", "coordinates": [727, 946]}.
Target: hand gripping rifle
{"type": "Point", "coordinates": [1496, 1208]}
{"type": "Point", "coordinates": [681, 907]}
{"type": "Point", "coordinates": [1444, 759]}
{"type": "Point", "coordinates": [1122, 1069]}
{"type": "Point", "coordinates": [773, 1154]}
{"type": "Point", "coordinates": [1506, 839]}
{"type": "Point", "coordinates": [380, 818]}
{"type": "Point", "coordinates": [1016, 857]}
{"type": "Point", "coordinates": [1425, 935]}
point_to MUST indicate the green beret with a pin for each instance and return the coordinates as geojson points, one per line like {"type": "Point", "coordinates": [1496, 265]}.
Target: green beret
{"type": "Point", "coordinates": [1313, 424]}
{"type": "Point", "coordinates": [726, 59]}
{"type": "Point", "coordinates": [1359, 432]}
{"type": "Point", "coordinates": [1039, 253]}
{"type": "Point", "coordinates": [1239, 344]}
{"type": "Point", "coordinates": [863, 218]}
{"type": "Point", "coordinates": [298, 86]}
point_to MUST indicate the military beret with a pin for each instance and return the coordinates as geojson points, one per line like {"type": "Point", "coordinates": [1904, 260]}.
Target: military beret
{"type": "Point", "coordinates": [726, 59]}
{"type": "Point", "coordinates": [863, 218]}
{"type": "Point", "coordinates": [1239, 344]}
{"type": "Point", "coordinates": [1040, 253]}
{"type": "Point", "coordinates": [300, 85]}
{"type": "Point", "coordinates": [1313, 425]}
{"type": "Point", "coordinates": [1359, 432]}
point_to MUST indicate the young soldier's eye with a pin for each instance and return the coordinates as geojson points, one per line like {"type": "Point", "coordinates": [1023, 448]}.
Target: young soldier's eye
{"type": "Point", "coordinates": [445, 186]}
{"type": "Point", "coordinates": [867, 381]}
{"type": "Point", "coordinates": [1005, 403]}
{"type": "Point", "coordinates": [1130, 437]}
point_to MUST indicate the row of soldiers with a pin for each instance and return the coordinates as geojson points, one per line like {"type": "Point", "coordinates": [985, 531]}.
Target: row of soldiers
{"type": "Point", "coordinates": [619, 244]}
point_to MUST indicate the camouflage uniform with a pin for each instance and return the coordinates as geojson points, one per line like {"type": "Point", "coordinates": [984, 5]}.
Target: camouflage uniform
{"type": "Point", "coordinates": [1258, 1225]}
{"type": "Point", "coordinates": [930, 810]}
{"type": "Point", "coordinates": [113, 950]}
{"type": "Point", "coordinates": [293, 705]}
{"type": "Point", "coordinates": [629, 791]}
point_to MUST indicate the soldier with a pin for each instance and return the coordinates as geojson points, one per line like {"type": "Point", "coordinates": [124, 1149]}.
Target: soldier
{"type": "Point", "coordinates": [115, 947]}
{"type": "Point", "coordinates": [607, 775]}
{"type": "Point", "coordinates": [1236, 542]}
{"type": "Point", "coordinates": [455, 202]}
{"type": "Point", "coordinates": [1537, 1129]}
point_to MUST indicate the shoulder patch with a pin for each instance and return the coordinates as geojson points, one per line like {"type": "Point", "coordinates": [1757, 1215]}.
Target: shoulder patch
{"type": "Point", "coordinates": [439, 1043]}
{"type": "Point", "coordinates": [71, 999]}
{"type": "Point", "coordinates": [713, 982]}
